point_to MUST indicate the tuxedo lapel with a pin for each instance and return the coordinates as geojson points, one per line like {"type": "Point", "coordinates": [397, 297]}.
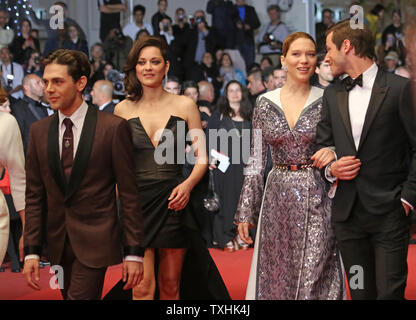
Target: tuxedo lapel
{"type": "Point", "coordinates": [342, 101]}
{"type": "Point", "coordinates": [83, 152]}
{"type": "Point", "coordinates": [377, 96]}
{"type": "Point", "coordinates": [53, 154]}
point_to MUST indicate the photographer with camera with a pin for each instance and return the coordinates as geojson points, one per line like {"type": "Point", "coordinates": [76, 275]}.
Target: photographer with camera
{"type": "Point", "coordinates": [32, 64]}
{"type": "Point", "coordinates": [116, 47]}
{"type": "Point", "coordinates": [166, 31]}
{"type": "Point", "coordinates": [178, 46]}
{"type": "Point", "coordinates": [24, 42]}
{"type": "Point", "coordinates": [272, 35]}
{"type": "Point", "coordinates": [110, 12]}
{"type": "Point", "coordinates": [201, 39]}
{"type": "Point", "coordinates": [12, 74]}
{"type": "Point", "coordinates": [162, 6]}
{"type": "Point", "coordinates": [135, 26]}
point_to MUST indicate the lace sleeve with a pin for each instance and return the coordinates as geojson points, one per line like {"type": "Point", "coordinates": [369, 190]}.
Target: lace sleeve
{"type": "Point", "coordinates": [252, 192]}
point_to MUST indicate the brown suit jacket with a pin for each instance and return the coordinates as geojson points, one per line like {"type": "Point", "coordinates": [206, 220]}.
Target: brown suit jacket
{"type": "Point", "coordinates": [84, 209]}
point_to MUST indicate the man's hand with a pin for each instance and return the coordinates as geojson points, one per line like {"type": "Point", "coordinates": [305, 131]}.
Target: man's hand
{"type": "Point", "coordinates": [406, 208]}
{"type": "Point", "coordinates": [132, 273]}
{"type": "Point", "coordinates": [31, 268]}
{"type": "Point", "coordinates": [346, 168]}
{"type": "Point", "coordinates": [323, 157]}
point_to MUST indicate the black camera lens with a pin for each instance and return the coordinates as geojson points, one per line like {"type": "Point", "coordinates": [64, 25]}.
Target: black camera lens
{"type": "Point", "coordinates": [199, 19]}
{"type": "Point", "coordinates": [166, 27]}
{"type": "Point", "coordinates": [36, 60]}
{"type": "Point", "coordinates": [118, 86]}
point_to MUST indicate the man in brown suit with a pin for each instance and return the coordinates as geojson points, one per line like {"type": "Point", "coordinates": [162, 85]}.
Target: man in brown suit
{"type": "Point", "coordinates": [75, 158]}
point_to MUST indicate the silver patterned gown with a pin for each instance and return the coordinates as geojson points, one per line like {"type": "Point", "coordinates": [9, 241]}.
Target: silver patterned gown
{"type": "Point", "coordinates": [295, 256]}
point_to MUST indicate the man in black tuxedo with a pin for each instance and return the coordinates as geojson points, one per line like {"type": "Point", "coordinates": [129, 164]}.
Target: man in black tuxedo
{"type": "Point", "coordinates": [246, 22]}
{"type": "Point", "coordinates": [371, 123]}
{"type": "Point", "coordinates": [200, 39]}
{"type": "Point", "coordinates": [102, 95]}
{"type": "Point", "coordinates": [30, 109]}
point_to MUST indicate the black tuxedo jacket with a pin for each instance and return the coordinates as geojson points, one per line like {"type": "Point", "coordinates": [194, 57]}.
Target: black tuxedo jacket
{"type": "Point", "coordinates": [109, 108]}
{"type": "Point", "coordinates": [252, 20]}
{"type": "Point", "coordinates": [27, 111]}
{"type": "Point", "coordinates": [211, 45]}
{"type": "Point", "coordinates": [387, 147]}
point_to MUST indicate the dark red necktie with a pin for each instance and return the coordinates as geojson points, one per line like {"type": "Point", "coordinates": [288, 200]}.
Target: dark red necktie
{"type": "Point", "coordinates": [67, 156]}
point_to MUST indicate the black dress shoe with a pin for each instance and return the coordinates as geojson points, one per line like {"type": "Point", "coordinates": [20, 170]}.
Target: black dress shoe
{"type": "Point", "coordinates": [413, 241]}
{"type": "Point", "coordinates": [17, 270]}
{"type": "Point", "coordinates": [2, 269]}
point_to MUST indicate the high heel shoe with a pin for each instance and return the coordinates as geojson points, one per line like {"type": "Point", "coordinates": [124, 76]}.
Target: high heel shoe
{"type": "Point", "coordinates": [240, 243]}
{"type": "Point", "coordinates": [229, 247]}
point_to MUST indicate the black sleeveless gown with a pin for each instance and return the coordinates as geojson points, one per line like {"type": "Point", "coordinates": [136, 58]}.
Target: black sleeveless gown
{"type": "Point", "coordinates": [158, 172]}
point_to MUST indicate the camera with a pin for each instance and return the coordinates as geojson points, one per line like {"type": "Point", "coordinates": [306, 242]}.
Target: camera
{"type": "Point", "coordinates": [199, 20]}
{"type": "Point", "coordinates": [165, 27]}
{"type": "Point", "coordinates": [268, 38]}
{"type": "Point", "coordinates": [118, 34]}
{"type": "Point", "coordinates": [181, 17]}
{"type": "Point", "coordinates": [116, 78]}
{"type": "Point", "coordinates": [10, 79]}
{"type": "Point", "coordinates": [36, 60]}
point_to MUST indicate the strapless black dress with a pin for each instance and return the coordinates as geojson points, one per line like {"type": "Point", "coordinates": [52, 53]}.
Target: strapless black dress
{"type": "Point", "coordinates": [158, 172]}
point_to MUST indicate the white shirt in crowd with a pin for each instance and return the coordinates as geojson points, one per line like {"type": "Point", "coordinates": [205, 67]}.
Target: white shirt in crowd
{"type": "Point", "coordinates": [131, 29]}
{"type": "Point", "coordinates": [18, 75]}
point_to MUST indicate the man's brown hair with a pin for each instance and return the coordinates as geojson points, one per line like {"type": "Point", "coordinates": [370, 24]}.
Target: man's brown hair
{"type": "Point", "coordinates": [361, 38]}
{"type": "Point", "coordinates": [77, 62]}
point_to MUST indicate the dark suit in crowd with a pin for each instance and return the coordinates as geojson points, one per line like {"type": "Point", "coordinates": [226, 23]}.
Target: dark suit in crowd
{"type": "Point", "coordinates": [27, 111]}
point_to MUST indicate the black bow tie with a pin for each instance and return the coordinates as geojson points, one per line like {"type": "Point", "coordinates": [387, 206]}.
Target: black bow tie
{"type": "Point", "coordinates": [351, 83]}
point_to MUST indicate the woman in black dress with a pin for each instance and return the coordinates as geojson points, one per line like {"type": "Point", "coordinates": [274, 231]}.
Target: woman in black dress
{"type": "Point", "coordinates": [234, 115]}
{"type": "Point", "coordinates": [176, 263]}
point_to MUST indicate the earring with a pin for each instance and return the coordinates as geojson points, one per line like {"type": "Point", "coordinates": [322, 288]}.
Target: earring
{"type": "Point", "coordinates": [284, 68]}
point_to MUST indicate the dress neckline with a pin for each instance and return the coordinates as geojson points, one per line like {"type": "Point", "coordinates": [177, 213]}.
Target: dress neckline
{"type": "Point", "coordinates": [164, 128]}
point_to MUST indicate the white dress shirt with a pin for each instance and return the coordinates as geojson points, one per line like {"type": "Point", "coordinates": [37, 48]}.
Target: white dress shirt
{"type": "Point", "coordinates": [358, 102]}
{"type": "Point", "coordinates": [77, 119]}
{"type": "Point", "coordinates": [132, 29]}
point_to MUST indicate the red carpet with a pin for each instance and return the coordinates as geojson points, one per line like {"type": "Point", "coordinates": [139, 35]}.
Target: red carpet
{"type": "Point", "coordinates": [234, 268]}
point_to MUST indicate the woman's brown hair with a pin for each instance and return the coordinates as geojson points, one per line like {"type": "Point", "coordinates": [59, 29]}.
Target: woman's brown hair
{"type": "Point", "coordinates": [133, 86]}
{"type": "Point", "coordinates": [294, 36]}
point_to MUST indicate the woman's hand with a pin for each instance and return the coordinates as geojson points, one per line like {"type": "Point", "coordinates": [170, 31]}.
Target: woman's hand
{"type": "Point", "coordinates": [179, 197]}
{"type": "Point", "coordinates": [243, 232]}
{"type": "Point", "coordinates": [323, 157]}
{"type": "Point", "coordinates": [212, 164]}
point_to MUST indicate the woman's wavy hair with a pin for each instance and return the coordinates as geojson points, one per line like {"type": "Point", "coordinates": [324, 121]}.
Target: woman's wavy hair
{"type": "Point", "coordinates": [223, 105]}
{"type": "Point", "coordinates": [133, 87]}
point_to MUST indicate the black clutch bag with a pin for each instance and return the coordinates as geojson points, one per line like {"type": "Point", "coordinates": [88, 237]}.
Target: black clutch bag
{"type": "Point", "coordinates": [212, 200]}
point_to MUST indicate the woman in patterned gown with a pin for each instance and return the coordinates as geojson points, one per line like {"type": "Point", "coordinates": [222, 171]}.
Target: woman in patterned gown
{"type": "Point", "coordinates": [295, 256]}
